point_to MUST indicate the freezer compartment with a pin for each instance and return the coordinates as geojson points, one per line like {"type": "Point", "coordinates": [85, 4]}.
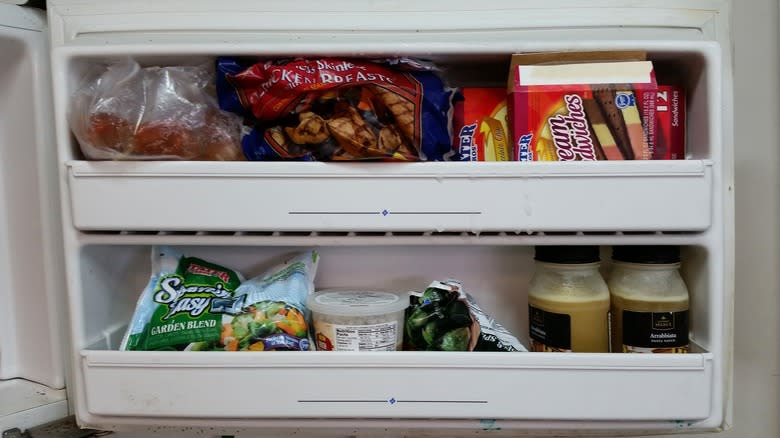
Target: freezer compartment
{"type": "Point", "coordinates": [123, 388]}
{"type": "Point", "coordinates": [529, 386]}
{"type": "Point", "coordinates": [429, 196]}
{"type": "Point", "coordinates": [110, 278]}
{"type": "Point", "coordinates": [692, 65]}
{"type": "Point", "coordinates": [602, 196]}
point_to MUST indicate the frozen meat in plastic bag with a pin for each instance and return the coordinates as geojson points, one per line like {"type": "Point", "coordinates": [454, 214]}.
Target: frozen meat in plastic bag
{"type": "Point", "coordinates": [123, 111]}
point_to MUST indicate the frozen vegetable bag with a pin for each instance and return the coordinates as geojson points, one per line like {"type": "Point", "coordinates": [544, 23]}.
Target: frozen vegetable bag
{"type": "Point", "coordinates": [191, 304]}
{"type": "Point", "coordinates": [183, 302]}
{"type": "Point", "coordinates": [445, 318]}
{"type": "Point", "coordinates": [270, 310]}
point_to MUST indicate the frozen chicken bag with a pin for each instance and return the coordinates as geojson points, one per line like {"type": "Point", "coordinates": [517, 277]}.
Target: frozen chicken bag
{"type": "Point", "coordinates": [334, 109]}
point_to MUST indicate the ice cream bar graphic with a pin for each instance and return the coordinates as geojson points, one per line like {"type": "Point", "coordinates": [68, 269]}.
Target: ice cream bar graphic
{"type": "Point", "coordinates": [625, 100]}
{"type": "Point", "coordinates": [614, 118]}
{"type": "Point", "coordinates": [609, 148]}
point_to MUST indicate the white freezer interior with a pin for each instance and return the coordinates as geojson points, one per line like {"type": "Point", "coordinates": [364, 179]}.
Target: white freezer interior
{"type": "Point", "coordinates": [112, 277]}
{"type": "Point", "coordinates": [124, 386]}
{"type": "Point", "coordinates": [108, 233]}
{"type": "Point", "coordinates": [32, 305]}
{"type": "Point", "coordinates": [604, 197]}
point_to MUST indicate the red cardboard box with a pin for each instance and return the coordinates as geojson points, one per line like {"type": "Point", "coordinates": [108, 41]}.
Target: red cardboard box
{"type": "Point", "coordinates": [670, 123]}
{"type": "Point", "coordinates": [482, 125]}
{"type": "Point", "coordinates": [583, 111]}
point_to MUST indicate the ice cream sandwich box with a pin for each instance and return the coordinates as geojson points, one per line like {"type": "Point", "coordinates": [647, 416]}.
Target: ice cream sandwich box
{"type": "Point", "coordinates": [582, 111]}
{"type": "Point", "coordinates": [670, 123]}
{"type": "Point", "coordinates": [481, 123]}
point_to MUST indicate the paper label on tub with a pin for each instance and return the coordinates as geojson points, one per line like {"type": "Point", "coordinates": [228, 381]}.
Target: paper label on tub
{"type": "Point", "coordinates": [370, 337]}
{"type": "Point", "coordinates": [356, 299]}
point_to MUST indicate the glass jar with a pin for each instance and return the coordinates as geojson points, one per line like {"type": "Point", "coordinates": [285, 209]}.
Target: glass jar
{"type": "Point", "coordinates": [649, 300]}
{"type": "Point", "coordinates": [568, 301]}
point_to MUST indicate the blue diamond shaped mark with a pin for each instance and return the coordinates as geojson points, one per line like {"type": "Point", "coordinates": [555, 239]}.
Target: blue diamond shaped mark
{"type": "Point", "coordinates": [392, 401]}
{"type": "Point", "coordinates": [385, 212]}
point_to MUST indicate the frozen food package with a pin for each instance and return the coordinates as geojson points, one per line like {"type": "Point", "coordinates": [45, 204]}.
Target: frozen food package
{"type": "Point", "coordinates": [582, 111]}
{"type": "Point", "coordinates": [184, 302]}
{"type": "Point", "coordinates": [670, 123]}
{"type": "Point", "coordinates": [332, 109]}
{"type": "Point", "coordinates": [481, 125]}
{"type": "Point", "coordinates": [269, 311]}
{"type": "Point", "coordinates": [445, 318]}
{"type": "Point", "coordinates": [194, 305]}
{"type": "Point", "coordinates": [123, 111]}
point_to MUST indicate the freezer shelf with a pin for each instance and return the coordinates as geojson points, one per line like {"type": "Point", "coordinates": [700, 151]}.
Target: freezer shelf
{"type": "Point", "coordinates": [524, 197]}
{"type": "Point", "coordinates": [423, 385]}
{"type": "Point", "coordinates": [25, 404]}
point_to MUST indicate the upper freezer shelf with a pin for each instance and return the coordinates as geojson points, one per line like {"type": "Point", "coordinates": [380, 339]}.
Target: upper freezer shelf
{"type": "Point", "coordinates": [602, 196]}
{"type": "Point", "coordinates": [657, 195]}
{"type": "Point", "coordinates": [199, 196]}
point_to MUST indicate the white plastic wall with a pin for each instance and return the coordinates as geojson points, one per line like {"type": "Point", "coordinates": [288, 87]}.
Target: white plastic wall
{"type": "Point", "coordinates": [79, 35]}
{"type": "Point", "coordinates": [32, 315]}
{"type": "Point", "coordinates": [756, 395]}
{"type": "Point", "coordinates": [32, 311]}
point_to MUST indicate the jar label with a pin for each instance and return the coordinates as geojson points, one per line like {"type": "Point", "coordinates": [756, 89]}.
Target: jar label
{"type": "Point", "coordinates": [550, 332]}
{"type": "Point", "coordinates": [655, 332]}
{"type": "Point", "coordinates": [370, 337]}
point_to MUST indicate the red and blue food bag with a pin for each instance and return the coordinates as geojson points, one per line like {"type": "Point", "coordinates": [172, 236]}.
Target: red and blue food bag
{"type": "Point", "coordinates": [333, 109]}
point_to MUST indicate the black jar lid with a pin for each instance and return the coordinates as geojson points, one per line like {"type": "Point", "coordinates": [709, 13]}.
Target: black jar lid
{"type": "Point", "coordinates": [567, 254]}
{"type": "Point", "coordinates": [650, 254]}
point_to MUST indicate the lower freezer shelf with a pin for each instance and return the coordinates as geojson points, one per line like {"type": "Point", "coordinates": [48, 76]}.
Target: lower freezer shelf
{"type": "Point", "coordinates": [210, 386]}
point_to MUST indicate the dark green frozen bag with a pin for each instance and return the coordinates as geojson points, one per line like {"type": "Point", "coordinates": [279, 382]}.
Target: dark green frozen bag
{"type": "Point", "coordinates": [445, 318]}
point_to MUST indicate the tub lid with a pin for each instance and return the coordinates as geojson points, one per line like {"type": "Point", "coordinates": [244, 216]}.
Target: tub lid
{"type": "Point", "coordinates": [357, 302]}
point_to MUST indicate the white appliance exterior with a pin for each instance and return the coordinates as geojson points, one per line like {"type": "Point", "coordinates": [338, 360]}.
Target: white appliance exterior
{"type": "Point", "coordinates": [105, 240]}
{"type": "Point", "coordinates": [33, 312]}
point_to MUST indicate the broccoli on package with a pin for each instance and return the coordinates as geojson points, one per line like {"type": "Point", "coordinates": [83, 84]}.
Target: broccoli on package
{"type": "Point", "coordinates": [191, 304]}
{"type": "Point", "coordinates": [334, 109]}
{"type": "Point", "coordinates": [445, 318]}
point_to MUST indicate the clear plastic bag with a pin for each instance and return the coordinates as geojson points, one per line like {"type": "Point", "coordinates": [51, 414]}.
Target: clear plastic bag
{"type": "Point", "coordinates": [126, 112]}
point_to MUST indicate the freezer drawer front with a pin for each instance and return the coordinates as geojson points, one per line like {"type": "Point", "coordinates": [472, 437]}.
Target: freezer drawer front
{"type": "Point", "coordinates": [596, 196]}
{"type": "Point", "coordinates": [524, 386]}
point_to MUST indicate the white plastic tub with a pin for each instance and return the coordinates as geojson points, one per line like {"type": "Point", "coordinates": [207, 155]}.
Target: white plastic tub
{"type": "Point", "coordinates": [346, 320]}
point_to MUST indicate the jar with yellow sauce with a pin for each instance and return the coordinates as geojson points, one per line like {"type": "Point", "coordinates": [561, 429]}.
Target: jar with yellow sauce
{"type": "Point", "coordinates": [649, 300]}
{"type": "Point", "coordinates": [568, 301]}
